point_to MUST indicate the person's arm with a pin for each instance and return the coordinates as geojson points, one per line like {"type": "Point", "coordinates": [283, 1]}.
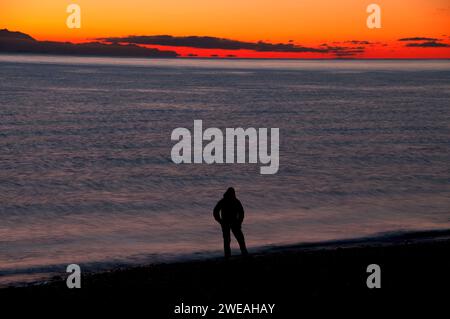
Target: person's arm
{"type": "Point", "coordinates": [240, 212]}
{"type": "Point", "coordinates": [216, 212]}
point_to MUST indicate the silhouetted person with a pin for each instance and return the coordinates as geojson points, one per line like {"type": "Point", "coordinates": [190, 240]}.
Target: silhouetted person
{"type": "Point", "coordinates": [229, 213]}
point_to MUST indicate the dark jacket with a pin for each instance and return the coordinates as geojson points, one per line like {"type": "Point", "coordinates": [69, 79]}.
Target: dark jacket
{"type": "Point", "coordinates": [229, 210]}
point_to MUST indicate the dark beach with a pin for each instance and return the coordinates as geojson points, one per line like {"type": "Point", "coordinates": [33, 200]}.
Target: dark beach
{"type": "Point", "coordinates": [414, 265]}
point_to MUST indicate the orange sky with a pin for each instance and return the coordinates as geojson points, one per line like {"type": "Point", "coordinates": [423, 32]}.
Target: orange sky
{"type": "Point", "coordinates": [306, 22]}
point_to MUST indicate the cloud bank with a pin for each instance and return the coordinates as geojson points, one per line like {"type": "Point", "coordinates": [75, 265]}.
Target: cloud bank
{"type": "Point", "coordinates": [424, 42]}
{"type": "Point", "coordinates": [205, 42]}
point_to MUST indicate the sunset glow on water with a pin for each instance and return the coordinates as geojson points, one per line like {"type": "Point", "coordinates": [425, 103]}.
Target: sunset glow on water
{"type": "Point", "coordinates": [87, 175]}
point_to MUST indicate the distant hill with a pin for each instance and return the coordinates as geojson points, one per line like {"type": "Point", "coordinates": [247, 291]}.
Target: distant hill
{"type": "Point", "coordinates": [18, 42]}
{"type": "Point", "coordinates": [5, 33]}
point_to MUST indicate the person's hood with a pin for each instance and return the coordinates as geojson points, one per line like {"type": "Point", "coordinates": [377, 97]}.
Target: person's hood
{"type": "Point", "coordinates": [230, 193]}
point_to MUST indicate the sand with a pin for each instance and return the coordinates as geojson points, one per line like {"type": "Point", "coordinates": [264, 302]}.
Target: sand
{"type": "Point", "coordinates": [413, 266]}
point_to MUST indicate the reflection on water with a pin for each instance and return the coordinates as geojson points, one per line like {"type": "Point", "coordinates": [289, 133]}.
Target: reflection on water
{"type": "Point", "coordinates": [86, 175]}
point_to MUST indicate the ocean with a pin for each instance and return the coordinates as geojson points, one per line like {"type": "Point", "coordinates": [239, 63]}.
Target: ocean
{"type": "Point", "coordinates": [86, 174]}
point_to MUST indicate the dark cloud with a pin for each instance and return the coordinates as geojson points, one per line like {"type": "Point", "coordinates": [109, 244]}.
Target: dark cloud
{"type": "Point", "coordinates": [347, 52]}
{"type": "Point", "coordinates": [418, 39]}
{"type": "Point", "coordinates": [424, 42]}
{"type": "Point", "coordinates": [205, 42]}
{"type": "Point", "coordinates": [359, 42]}
{"type": "Point", "coordinates": [429, 44]}
{"type": "Point", "coordinates": [343, 51]}
{"type": "Point", "coordinates": [17, 42]}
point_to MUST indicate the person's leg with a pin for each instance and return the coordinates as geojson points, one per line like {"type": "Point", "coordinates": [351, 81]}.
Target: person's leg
{"type": "Point", "coordinates": [237, 231]}
{"type": "Point", "coordinates": [226, 240]}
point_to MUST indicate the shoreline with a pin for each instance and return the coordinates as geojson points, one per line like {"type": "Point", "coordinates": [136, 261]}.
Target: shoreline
{"type": "Point", "coordinates": [380, 240]}
{"type": "Point", "coordinates": [414, 266]}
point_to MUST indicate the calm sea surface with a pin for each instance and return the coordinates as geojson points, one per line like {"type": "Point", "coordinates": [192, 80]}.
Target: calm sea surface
{"type": "Point", "coordinates": [86, 175]}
